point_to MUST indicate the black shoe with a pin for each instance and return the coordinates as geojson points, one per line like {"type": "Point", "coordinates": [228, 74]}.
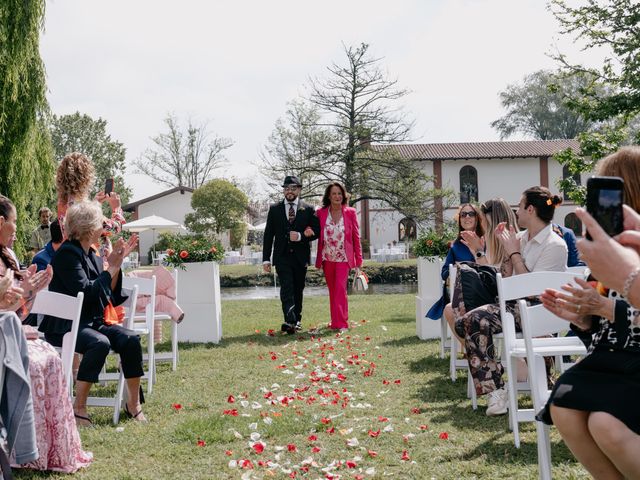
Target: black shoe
{"type": "Point", "coordinates": [288, 328]}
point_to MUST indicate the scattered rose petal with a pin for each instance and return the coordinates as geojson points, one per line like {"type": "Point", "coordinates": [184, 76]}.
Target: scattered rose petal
{"type": "Point", "coordinates": [176, 406]}
{"type": "Point", "coordinates": [415, 410]}
{"type": "Point", "coordinates": [372, 453]}
{"type": "Point", "coordinates": [231, 399]}
{"type": "Point", "coordinates": [443, 436]}
{"type": "Point", "coordinates": [201, 443]}
{"type": "Point", "coordinates": [424, 427]}
{"type": "Point", "coordinates": [373, 434]}
{"type": "Point", "coordinates": [312, 438]}
{"type": "Point", "coordinates": [292, 448]}
{"type": "Point", "coordinates": [258, 447]}
{"type": "Point", "coordinates": [353, 442]}
{"type": "Point", "coordinates": [351, 464]}
{"type": "Point", "coordinates": [228, 453]}
{"type": "Point", "coordinates": [405, 455]}
{"type": "Point", "coordinates": [315, 449]}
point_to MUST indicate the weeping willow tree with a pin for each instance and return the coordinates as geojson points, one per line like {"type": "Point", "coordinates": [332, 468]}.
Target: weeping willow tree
{"type": "Point", "coordinates": [26, 155]}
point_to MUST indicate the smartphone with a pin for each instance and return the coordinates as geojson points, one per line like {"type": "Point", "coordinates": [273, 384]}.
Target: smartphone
{"type": "Point", "coordinates": [605, 196]}
{"type": "Point", "coordinates": [108, 186]}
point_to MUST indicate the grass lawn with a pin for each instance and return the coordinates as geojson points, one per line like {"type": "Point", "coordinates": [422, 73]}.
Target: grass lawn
{"type": "Point", "coordinates": [376, 402]}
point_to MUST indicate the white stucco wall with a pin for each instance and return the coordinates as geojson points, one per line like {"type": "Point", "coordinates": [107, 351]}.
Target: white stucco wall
{"type": "Point", "coordinates": [172, 207]}
{"type": "Point", "coordinates": [506, 178]}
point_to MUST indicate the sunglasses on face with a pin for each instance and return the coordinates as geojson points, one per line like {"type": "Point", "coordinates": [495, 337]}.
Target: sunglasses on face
{"type": "Point", "coordinates": [468, 214]}
{"type": "Point", "coordinates": [291, 188]}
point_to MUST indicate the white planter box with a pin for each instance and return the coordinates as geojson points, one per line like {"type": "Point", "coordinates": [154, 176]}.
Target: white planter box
{"type": "Point", "coordinates": [429, 290]}
{"type": "Point", "coordinates": [199, 297]}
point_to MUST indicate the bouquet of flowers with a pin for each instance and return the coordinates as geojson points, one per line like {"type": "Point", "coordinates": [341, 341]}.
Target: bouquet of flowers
{"type": "Point", "coordinates": [433, 244]}
{"type": "Point", "coordinates": [191, 248]}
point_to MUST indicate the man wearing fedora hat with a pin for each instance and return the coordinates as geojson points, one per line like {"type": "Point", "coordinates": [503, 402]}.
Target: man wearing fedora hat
{"type": "Point", "coordinates": [291, 227]}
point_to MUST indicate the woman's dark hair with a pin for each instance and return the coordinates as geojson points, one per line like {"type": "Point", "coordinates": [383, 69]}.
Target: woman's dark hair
{"type": "Point", "coordinates": [56, 232]}
{"type": "Point", "coordinates": [479, 230]}
{"type": "Point", "coordinates": [7, 208]}
{"type": "Point", "coordinates": [543, 201]}
{"type": "Point", "coordinates": [326, 198]}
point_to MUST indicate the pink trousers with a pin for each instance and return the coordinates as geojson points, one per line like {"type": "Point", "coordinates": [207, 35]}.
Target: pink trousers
{"type": "Point", "coordinates": [336, 275]}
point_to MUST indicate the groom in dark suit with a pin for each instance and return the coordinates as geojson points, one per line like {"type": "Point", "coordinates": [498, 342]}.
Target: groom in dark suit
{"type": "Point", "coordinates": [291, 227]}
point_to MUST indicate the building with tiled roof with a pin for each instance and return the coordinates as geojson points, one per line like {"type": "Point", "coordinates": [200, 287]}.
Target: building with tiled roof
{"type": "Point", "coordinates": [475, 171]}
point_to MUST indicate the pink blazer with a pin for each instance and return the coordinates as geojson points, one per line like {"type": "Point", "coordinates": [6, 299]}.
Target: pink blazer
{"type": "Point", "coordinates": [352, 245]}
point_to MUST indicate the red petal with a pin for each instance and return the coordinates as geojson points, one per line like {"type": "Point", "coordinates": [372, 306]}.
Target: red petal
{"type": "Point", "coordinates": [444, 436]}
{"type": "Point", "coordinates": [231, 399]}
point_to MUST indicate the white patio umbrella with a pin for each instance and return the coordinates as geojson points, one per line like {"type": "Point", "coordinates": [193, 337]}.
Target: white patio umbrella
{"type": "Point", "coordinates": [153, 223]}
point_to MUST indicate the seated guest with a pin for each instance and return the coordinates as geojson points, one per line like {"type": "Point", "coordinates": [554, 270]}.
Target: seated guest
{"type": "Point", "coordinates": [77, 268]}
{"type": "Point", "coordinates": [593, 404]}
{"type": "Point", "coordinates": [28, 280]}
{"type": "Point", "coordinates": [573, 257]}
{"type": "Point", "coordinates": [44, 256]}
{"type": "Point", "coordinates": [485, 250]}
{"type": "Point", "coordinates": [468, 218]}
{"type": "Point", "coordinates": [537, 248]}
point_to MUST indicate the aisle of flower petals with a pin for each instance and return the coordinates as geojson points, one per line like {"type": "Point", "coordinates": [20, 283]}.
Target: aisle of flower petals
{"type": "Point", "coordinates": [323, 380]}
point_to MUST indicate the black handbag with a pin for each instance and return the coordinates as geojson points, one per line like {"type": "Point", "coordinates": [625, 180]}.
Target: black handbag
{"type": "Point", "coordinates": [477, 284]}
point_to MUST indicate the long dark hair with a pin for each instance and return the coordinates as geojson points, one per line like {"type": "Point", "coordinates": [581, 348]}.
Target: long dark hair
{"type": "Point", "coordinates": [479, 230]}
{"type": "Point", "coordinates": [326, 198]}
{"type": "Point", "coordinates": [7, 208]}
{"type": "Point", "coordinates": [543, 201]}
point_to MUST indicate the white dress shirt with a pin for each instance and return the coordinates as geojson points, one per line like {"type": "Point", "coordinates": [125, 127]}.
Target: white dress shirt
{"type": "Point", "coordinates": [547, 251]}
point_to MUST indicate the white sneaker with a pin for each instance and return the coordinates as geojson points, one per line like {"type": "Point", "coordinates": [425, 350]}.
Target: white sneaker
{"type": "Point", "coordinates": [497, 402]}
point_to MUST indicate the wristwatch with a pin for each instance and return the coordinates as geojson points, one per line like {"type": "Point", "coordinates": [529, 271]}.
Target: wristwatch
{"type": "Point", "coordinates": [479, 254]}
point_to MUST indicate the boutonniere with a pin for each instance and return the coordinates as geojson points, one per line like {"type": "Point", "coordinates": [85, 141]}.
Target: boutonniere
{"type": "Point", "coordinates": [301, 208]}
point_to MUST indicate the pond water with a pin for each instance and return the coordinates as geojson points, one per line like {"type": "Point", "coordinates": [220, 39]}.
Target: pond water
{"type": "Point", "coordinates": [254, 293]}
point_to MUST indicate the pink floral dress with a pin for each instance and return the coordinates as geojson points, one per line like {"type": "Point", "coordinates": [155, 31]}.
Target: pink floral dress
{"type": "Point", "coordinates": [58, 440]}
{"type": "Point", "coordinates": [333, 250]}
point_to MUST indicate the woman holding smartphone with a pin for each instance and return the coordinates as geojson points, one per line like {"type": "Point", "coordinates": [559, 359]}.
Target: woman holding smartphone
{"type": "Point", "coordinates": [594, 403]}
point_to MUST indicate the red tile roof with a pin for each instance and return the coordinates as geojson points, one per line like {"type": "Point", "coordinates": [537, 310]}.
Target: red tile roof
{"type": "Point", "coordinates": [477, 150]}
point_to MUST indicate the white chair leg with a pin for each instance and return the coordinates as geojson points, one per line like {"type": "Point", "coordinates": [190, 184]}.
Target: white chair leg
{"type": "Point", "coordinates": [512, 392]}
{"type": "Point", "coordinates": [471, 390]}
{"type": "Point", "coordinates": [544, 451]}
{"type": "Point", "coordinates": [443, 336]}
{"type": "Point", "coordinates": [453, 370]}
{"type": "Point", "coordinates": [117, 402]}
{"type": "Point", "coordinates": [151, 361]}
{"type": "Point", "coordinates": [174, 345]}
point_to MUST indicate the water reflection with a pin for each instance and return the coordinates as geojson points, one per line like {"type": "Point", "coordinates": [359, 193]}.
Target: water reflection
{"type": "Point", "coordinates": [254, 293]}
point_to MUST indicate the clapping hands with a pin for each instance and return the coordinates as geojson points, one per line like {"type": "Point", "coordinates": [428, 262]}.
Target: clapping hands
{"type": "Point", "coordinates": [121, 249]}
{"type": "Point", "coordinates": [507, 237]}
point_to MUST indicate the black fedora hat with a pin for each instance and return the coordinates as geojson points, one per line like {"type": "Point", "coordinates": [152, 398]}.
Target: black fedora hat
{"type": "Point", "coordinates": [291, 180]}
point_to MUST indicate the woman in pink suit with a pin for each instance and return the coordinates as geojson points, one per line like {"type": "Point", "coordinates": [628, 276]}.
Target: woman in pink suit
{"type": "Point", "coordinates": [339, 250]}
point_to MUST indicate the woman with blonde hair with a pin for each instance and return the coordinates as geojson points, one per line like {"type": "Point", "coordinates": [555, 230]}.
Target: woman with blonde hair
{"type": "Point", "coordinates": [77, 268]}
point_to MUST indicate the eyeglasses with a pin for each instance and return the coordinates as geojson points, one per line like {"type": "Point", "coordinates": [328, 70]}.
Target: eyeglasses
{"type": "Point", "coordinates": [468, 214]}
{"type": "Point", "coordinates": [291, 188]}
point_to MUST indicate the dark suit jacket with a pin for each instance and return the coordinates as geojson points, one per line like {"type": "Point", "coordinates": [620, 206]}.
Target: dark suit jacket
{"type": "Point", "coordinates": [276, 233]}
{"type": "Point", "coordinates": [75, 271]}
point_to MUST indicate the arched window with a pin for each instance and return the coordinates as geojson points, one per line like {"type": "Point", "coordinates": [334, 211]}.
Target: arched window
{"type": "Point", "coordinates": [565, 175]}
{"type": "Point", "coordinates": [407, 230]}
{"type": "Point", "coordinates": [468, 184]}
{"type": "Point", "coordinates": [573, 222]}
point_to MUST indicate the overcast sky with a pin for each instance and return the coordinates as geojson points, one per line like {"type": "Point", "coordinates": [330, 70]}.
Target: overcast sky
{"type": "Point", "coordinates": [237, 63]}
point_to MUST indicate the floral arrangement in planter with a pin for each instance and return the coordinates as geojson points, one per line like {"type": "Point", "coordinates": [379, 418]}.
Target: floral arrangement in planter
{"type": "Point", "coordinates": [183, 249]}
{"type": "Point", "coordinates": [433, 244]}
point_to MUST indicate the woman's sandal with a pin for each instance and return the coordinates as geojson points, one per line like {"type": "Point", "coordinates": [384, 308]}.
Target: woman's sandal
{"type": "Point", "coordinates": [128, 414]}
{"type": "Point", "coordinates": [86, 419]}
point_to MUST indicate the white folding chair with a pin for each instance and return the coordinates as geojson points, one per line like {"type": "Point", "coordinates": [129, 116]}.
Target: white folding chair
{"type": "Point", "coordinates": [537, 321]}
{"type": "Point", "coordinates": [68, 308]}
{"type": "Point", "coordinates": [514, 288]}
{"type": "Point", "coordinates": [143, 323]}
{"type": "Point", "coordinates": [116, 401]}
{"type": "Point", "coordinates": [171, 356]}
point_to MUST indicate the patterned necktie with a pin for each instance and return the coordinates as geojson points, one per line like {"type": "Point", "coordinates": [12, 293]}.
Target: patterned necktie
{"type": "Point", "coordinates": [292, 213]}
